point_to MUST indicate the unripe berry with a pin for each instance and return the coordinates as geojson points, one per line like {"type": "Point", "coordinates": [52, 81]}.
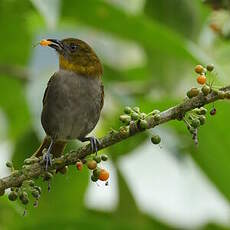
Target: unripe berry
{"type": "Point", "coordinates": [210, 67]}
{"type": "Point", "coordinates": [104, 157]}
{"type": "Point", "coordinates": [38, 189]}
{"type": "Point", "coordinates": [155, 139]}
{"type": "Point", "coordinates": [199, 69]}
{"type": "Point", "coordinates": [202, 119]}
{"type": "Point", "coordinates": [35, 193]}
{"type": "Point", "coordinates": [97, 158]}
{"type": "Point", "coordinates": [203, 111]}
{"type": "Point", "coordinates": [13, 196]}
{"type": "Point", "coordinates": [206, 90]}
{"type": "Point", "coordinates": [193, 92]}
{"type": "Point", "coordinates": [195, 123]}
{"type": "Point", "coordinates": [93, 178]}
{"type": "Point", "coordinates": [143, 124]}
{"type": "Point", "coordinates": [96, 172]}
{"type": "Point", "coordinates": [9, 164]}
{"type": "Point", "coordinates": [127, 110]}
{"type": "Point", "coordinates": [92, 164]}
{"type": "Point", "coordinates": [125, 118]}
{"type": "Point", "coordinates": [136, 109]}
{"type": "Point", "coordinates": [134, 116]}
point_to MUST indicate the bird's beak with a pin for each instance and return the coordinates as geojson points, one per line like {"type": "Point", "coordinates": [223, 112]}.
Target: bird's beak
{"type": "Point", "coordinates": [56, 44]}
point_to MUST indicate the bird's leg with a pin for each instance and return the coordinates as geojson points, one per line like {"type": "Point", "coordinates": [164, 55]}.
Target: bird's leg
{"type": "Point", "coordinates": [93, 141]}
{"type": "Point", "coordinates": [47, 156]}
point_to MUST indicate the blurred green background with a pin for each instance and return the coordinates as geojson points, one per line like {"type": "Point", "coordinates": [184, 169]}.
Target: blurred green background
{"type": "Point", "coordinates": [149, 49]}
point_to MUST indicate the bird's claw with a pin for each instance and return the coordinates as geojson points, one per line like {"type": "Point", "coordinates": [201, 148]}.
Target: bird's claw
{"type": "Point", "coordinates": [94, 143]}
{"type": "Point", "coordinates": [48, 160]}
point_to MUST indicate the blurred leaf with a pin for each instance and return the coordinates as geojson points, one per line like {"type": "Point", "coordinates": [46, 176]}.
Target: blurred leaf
{"type": "Point", "coordinates": [107, 18]}
{"type": "Point", "coordinates": [13, 102]}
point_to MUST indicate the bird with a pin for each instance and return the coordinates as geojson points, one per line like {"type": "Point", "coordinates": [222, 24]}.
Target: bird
{"type": "Point", "coordinates": [73, 98]}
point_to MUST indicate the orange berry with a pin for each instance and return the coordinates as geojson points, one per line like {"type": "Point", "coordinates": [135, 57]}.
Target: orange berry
{"type": "Point", "coordinates": [201, 79]}
{"type": "Point", "coordinates": [45, 42]}
{"type": "Point", "coordinates": [92, 164]}
{"type": "Point", "coordinates": [79, 165]}
{"type": "Point", "coordinates": [104, 175]}
{"type": "Point", "coordinates": [199, 69]}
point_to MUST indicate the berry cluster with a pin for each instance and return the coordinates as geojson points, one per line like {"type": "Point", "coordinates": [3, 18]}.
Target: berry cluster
{"type": "Point", "coordinates": [21, 192]}
{"type": "Point", "coordinates": [134, 116]}
{"type": "Point", "coordinates": [98, 173]}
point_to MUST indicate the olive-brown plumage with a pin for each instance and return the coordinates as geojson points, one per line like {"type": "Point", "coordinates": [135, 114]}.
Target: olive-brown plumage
{"type": "Point", "coordinates": [74, 95]}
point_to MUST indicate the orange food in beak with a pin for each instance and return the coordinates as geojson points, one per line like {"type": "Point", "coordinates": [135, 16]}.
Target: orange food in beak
{"type": "Point", "coordinates": [45, 42]}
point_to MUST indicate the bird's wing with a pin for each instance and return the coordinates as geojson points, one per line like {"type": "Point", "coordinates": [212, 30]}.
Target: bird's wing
{"type": "Point", "coordinates": [48, 84]}
{"type": "Point", "coordinates": [102, 95]}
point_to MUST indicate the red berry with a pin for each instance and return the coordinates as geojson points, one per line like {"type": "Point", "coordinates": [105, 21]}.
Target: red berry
{"type": "Point", "coordinates": [79, 165]}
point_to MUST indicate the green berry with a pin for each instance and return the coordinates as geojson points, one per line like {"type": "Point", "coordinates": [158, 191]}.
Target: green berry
{"type": "Point", "coordinates": [125, 118]}
{"type": "Point", "coordinates": [31, 183]}
{"type": "Point", "coordinates": [93, 178]}
{"type": "Point", "coordinates": [104, 157]}
{"type": "Point", "coordinates": [38, 189]}
{"type": "Point", "coordinates": [156, 139]}
{"type": "Point", "coordinates": [134, 116]}
{"type": "Point", "coordinates": [202, 119]}
{"type": "Point", "coordinates": [210, 67]}
{"type": "Point", "coordinates": [143, 124]}
{"type": "Point", "coordinates": [136, 109]}
{"type": "Point", "coordinates": [25, 200]}
{"type": "Point", "coordinates": [205, 90]}
{"type": "Point", "coordinates": [203, 111]}
{"type": "Point", "coordinates": [127, 110]}
{"type": "Point", "coordinates": [96, 172]}
{"type": "Point", "coordinates": [97, 158]}
{"type": "Point", "coordinates": [91, 164]}
{"type": "Point", "coordinates": [195, 123]}
{"type": "Point", "coordinates": [143, 115]}
{"type": "Point", "coordinates": [9, 164]}
{"type": "Point", "coordinates": [35, 193]}
{"type": "Point", "coordinates": [13, 196]}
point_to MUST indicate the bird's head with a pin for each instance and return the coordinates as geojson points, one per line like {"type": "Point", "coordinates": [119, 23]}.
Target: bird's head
{"type": "Point", "coordinates": [77, 56]}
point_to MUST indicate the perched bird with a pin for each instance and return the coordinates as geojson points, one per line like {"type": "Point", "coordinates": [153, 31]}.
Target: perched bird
{"type": "Point", "coordinates": [73, 98]}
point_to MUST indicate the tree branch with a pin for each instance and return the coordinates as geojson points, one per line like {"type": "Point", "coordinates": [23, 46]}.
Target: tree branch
{"type": "Point", "coordinates": [177, 112]}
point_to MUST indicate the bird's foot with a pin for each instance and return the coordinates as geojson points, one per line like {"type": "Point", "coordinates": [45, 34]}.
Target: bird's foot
{"type": "Point", "coordinates": [48, 160]}
{"type": "Point", "coordinates": [47, 157]}
{"type": "Point", "coordinates": [93, 141]}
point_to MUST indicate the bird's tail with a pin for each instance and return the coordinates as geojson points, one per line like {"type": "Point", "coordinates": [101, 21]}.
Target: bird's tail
{"type": "Point", "coordinates": [57, 148]}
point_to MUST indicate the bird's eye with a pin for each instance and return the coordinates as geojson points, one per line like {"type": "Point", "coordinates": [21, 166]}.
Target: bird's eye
{"type": "Point", "coordinates": [73, 47]}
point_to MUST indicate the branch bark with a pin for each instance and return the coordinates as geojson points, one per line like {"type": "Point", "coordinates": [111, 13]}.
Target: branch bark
{"type": "Point", "coordinates": [177, 112]}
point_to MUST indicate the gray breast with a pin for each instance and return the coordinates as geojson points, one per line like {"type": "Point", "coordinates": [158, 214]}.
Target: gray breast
{"type": "Point", "coordinates": [71, 105]}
